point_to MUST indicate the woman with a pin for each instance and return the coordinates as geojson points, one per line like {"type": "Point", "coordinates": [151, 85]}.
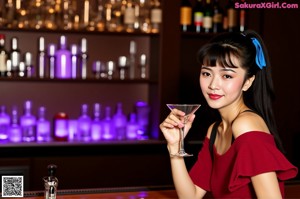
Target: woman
{"type": "Point", "coordinates": [241, 155]}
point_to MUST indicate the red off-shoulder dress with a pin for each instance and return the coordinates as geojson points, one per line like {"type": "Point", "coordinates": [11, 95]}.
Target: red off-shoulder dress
{"type": "Point", "coordinates": [229, 175]}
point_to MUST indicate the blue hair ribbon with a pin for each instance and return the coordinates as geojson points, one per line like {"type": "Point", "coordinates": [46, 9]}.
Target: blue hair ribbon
{"type": "Point", "coordinates": [260, 57]}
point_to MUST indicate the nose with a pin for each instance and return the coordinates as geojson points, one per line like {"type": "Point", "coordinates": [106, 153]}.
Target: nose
{"type": "Point", "coordinates": [214, 83]}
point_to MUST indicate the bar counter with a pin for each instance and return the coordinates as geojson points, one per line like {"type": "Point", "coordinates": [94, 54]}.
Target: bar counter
{"type": "Point", "coordinates": [110, 193]}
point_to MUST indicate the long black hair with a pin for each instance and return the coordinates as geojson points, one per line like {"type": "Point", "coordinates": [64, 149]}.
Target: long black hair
{"type": "Point", "coordinates": [260, 96]}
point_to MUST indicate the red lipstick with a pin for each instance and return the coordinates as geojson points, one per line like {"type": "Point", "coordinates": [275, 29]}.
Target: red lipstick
{"type": "Point", "coordinates": [214, 96]}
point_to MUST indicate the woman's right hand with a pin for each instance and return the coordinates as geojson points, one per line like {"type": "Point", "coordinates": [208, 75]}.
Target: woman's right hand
{"type": "Point", "coordinates": [170, 127]}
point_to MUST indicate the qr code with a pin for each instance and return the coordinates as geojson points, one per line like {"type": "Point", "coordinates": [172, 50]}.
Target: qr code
{"type": "Point", "coordinates": [12, 186]}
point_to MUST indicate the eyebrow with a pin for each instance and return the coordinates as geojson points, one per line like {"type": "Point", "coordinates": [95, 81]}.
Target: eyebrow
{"type": "Point", "coordinates": [223, 68]}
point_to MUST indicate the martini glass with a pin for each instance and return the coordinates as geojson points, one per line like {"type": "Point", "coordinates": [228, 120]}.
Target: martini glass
{"type": "Point", "coordinates": [188, 109]}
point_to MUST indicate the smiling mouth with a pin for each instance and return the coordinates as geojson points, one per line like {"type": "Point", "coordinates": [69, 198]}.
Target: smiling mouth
{"type": "Point", "coordinates": [214, 96]}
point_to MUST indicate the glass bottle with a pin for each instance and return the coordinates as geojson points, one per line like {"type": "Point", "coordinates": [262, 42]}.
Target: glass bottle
{"type": "Point", "coordinates": [208, 17]}
{"type": "Point", "coordinates": [129, 17]}
{"type": "Point", "coordinates": [156, 16]}
{"type": "Point", "coordinates": [15, 130]}
{"type": "Point", "coordinates": [50, 183]}
{"type": "Point", "coordinates": [3, 56]}
{"type": "Point", "coordinates": [132, 59]}
{"type": "Point", "coordinates": [28, 123]}
{"type": "Point", "coordinates": [145, 15]}
{"type": "Point", "coordinates": [132, 127]}
{"type": "Point", "coordinates": [100, 16]}
{"type": "Point", "coordinates": [63, 60]}
{"type": "Point", "coordinates": [43, 131]}
{"type": "Point", "coordinates": [41, 58]}
{"type": "Point", "coordinates": [185, 15]}
{"type": "Point", "coordinates": [108, 133]}
{"type": "Point", "coordinates": [198, 16]}
{"type": "Point", "coordinates": [29, 69]}
{"type": "Point", "coordinates": [96, 125]}
{"type": "Point", "coordinates": [84, 124]}
{"type": "Point", "coordinates": [143, 66]}
{"type": "Point", "coordinates": [74, 60]}
{"type": "Point", "coordinates": [142, 111]}
{"type": "Point", "coordinates": [120, 123]}
{"type": "Point", "coordinates": [123, 67]}
{"type": "Point", "coordinates": [232, 16]}
{"type": "Point", "coordinates": [52, 58]}
{"type": "Point", "coordinates": [15, 56]}
{"type": "Point", "coordinates": [4, 124]}
{"type": "Point", "coordinates": [61, 127]}
{"type": "Point", "coordinates": [217, 17]}
{"type": "Point", "coordinates": [83, 58]}
{"type": "Point", "coordinates": [242, 20]}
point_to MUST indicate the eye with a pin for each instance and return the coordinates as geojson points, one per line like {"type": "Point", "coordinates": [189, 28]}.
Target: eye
{"type": "Point", "coordinates": [206, 74]}
{"type": "Point", "coordinates": [227, 76]}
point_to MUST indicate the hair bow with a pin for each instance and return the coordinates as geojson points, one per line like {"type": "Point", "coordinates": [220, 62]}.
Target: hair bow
{"type": "Point", "coordinates": [260, 57]}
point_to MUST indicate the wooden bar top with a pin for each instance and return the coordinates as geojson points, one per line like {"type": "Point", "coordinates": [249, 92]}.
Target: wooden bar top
{"type": "Point", "coordinates": [163, 194]}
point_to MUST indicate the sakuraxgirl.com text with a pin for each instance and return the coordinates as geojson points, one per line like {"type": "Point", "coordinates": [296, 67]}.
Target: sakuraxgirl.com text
{"type": "Point", "coordinates": [267, 5]}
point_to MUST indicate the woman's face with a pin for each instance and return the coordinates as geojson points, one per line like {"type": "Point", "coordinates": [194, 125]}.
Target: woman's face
{"type": "Point", "coordinates": [222, 86]}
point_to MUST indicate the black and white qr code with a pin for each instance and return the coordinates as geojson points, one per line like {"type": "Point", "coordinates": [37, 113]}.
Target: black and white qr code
{"type": "Point", "coordinates": [12, 186]}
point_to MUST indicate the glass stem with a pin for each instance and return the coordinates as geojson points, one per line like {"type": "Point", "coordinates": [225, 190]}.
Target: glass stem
{"type": "Point", "coordinates": [181, 149]}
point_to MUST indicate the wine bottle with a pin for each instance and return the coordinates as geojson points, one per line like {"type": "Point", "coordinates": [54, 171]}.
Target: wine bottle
{"type": "Point", "coordinates": [156, 16]}
{"type": "Point", "coordinates": [208, 17]}
{"type": "Point", "coordinates": [198, 16]}
{"type": "Point", "coordinates": [185, 15]}
{"type": "Point", "coordinates": [41, 62]}
{"type": "Point", "coordinates": [217, 17]}
{"type": "Point", "coordinates": [232, 16]}
{"type": "Point", "coordinates": [15, 56]}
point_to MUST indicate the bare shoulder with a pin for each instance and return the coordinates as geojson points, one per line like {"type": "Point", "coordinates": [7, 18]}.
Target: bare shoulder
{"type": "Point", "coordinates": [248, 121]}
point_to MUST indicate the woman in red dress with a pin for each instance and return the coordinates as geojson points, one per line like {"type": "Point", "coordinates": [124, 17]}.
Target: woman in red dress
{"type": "Point", "coordinates": [241, 155]}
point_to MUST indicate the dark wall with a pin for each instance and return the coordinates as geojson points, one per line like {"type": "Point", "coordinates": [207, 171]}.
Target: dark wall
{"type": "Point", "coordinates": [281, 33]}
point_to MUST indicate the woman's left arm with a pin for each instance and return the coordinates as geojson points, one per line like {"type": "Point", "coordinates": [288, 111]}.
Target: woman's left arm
{"type": "Point", "coordinates": [266, 186]}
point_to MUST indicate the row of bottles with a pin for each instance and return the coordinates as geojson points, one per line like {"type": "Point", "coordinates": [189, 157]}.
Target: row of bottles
{"type": "Point", "coordinates": [65, 61]}
{"type": "Point", "coordinates": [208, 16]}
{"type": "Point", "coordinates": [90, 15]}
{"type": "Point", "coordinates": [100, 125]}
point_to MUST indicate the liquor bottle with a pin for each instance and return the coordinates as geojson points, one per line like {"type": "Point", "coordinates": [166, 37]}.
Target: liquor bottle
{"type": "Point", "coordinates": [15, 56]}
{"type": "Point", "coordinates": [84, 124]}
{"type": "Point", "coordinates": [43, 131]}
{"type": "Point", "coordinates": [50, 183]}
{"type": "Point", "coordinates": [129, 17]}
{"type": "Point", "coordinates": [108, 132]}
{"type": "Point", "coordinates": [232, 16]}
{"type": "Point", "coordinates": [132, 127]}
{"type": "Point", "coordinates": [4, 124]}
{"type": "Point", "coordinates": [22, 69]}
{"type": "Point", "coordinates": [3, 56]}
{"type": "Point", "coordinates": [185, 15]}
{"type": "Point", "coordinates": [208, 17]}
{"type": "Point", "coordinates": [143, 66]}
{"type": "Point", "coordinates": [63, 60]}
{"type": "Point", "coordinates": [29, 69]}
{"type": "Point", "coordinates": [217, 17]}
{"type": "Point", "coordinates": [83, 58]}
{"type": "Point", "coordinates": [146, 14]}
{"type": "Point", "coordinates": [198, 16]}
{"type": "Point", "coordinates": [123, 67]}
{"type": "Point", "coordinates": [156, 16]}
{"type": "Point", "coordinates": [96, 125]}
{"type": "Point", "coordinates": [120, 123]}
{"type": "Point", "coordinates": [74, 60]}
{"type": "Point", "coordinates": [41, 58]}
{"type": "Point", "coordinates": [15, 130]}
{"type": "Point", "coordinates": [28, 123]}
{"type": "Point", "coordinates": [132, 62]}
{"type": "Point", "coordinates": [100, 16]}
{"type": "Point", "coordinates": [242, 20]}
{"type": "Point", "coordinates": [52, 58]}
{"type": "Point", "coordinates": [61, 127]}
